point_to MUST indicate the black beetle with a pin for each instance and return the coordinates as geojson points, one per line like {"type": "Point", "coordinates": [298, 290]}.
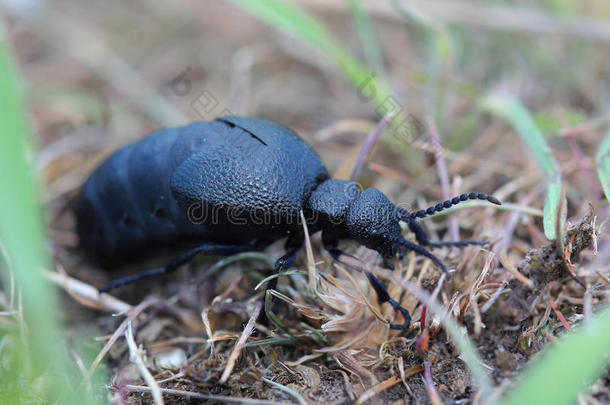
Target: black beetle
{"type": "Point", "coordinates": [234, 185]}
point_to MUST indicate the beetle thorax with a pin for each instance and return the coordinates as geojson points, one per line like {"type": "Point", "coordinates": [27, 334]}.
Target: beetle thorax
{"type": "Point", "coordinates": [330, 202]}
{"type": "Point", "coordinates": [368, 217]}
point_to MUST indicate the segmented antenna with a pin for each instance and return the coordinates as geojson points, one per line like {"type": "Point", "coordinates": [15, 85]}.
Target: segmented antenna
{"type": "Point", "coordinates": [446, 204]}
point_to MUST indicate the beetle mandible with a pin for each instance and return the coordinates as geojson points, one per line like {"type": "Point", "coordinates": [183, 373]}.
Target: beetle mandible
{"type": "Point", "coordinates": [247, 179]}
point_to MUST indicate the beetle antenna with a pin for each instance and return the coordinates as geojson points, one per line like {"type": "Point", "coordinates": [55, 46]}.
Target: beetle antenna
{"type": "Point", "coordinates": [406, 216]}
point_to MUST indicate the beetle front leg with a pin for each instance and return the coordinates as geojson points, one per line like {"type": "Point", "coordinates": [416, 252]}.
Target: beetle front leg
{"type": "Point", "coordinates": [383, 296]}
{"type": "Point", "coordinates": [401, 245]}
{"type": "Point", "coordinates": [282, 264]}
{"type": "Point", "coordinates": [382, 292]}
{"type": "Point", "coordinates": [293, 245]}
{"type": "Point", "coordinates": [330, 240]}
{"type": "Point", "coordinates": [422, 237]}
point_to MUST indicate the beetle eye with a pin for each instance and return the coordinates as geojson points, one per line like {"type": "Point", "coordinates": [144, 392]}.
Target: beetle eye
{"type": "Point", "coordinates": [376, 238]}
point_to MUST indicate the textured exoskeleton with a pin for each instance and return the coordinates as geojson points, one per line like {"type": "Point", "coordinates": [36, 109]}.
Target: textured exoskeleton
{"type": "Point", "coordinates": [232, 185]}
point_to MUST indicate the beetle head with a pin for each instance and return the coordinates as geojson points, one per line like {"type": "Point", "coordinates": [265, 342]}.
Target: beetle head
{"type": "Point", "coordinates": [373, 221]}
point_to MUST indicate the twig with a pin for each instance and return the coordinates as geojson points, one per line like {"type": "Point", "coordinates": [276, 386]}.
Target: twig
{"type": "Point", "coordinates": [588, 307]}
{"type": "Point", "coordinates": [508, 265]}
{"type": "Point", "coordinates": [368, 145]}
{"type": "Point", "coordinates": [407, 374]}
{"type": "Point", "coordinates": [189, 395]}
{"type": "Point", "coordinates": [287, 390]}
{"type": "Point", "coordinates": [311, 263]}
{"type": "Point", "coordinates": [136, 355]}
{"type": "Point", "coordinates": [241, 342]}
{"type": "Point", "coordinates": [83, 370]}
{"type": "Point", "coordinates": [560, 316]}
{"type": "Point", "coordinates": [435, 399]}
{"type": "Point", "coordinates": [87, 294]}
{"type": "Point", "coordinates": [443, 174]}
{"type": "Point", "coordinates": [473, 295]}
{"type": "Point", "coordinates": [132, 314]}
{"type": "Point", "coordinates": [603, 277]}
{"type": "Point", "coordinates": [303, 359]}
{"type": "Point", "coordinates": [208, 328]}
{"type": "Point", "coordinates": [494, 297]}
{"type": "Point", "coordinates": [382, 386]}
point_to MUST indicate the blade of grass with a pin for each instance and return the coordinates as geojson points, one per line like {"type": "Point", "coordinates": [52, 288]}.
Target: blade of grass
{"type": "Point", "coordinates": [603, 164]}
{"type": "Point", "coordinates": [442, 45]}
{"type": "Point", "coordinates": [521, 119]}
{"type": "Point", "coordinates": [552, 204]}
{"type": "Point", "coordinates": [370, 46]}
{"type": "Point", "coordinates": [21, 233]}
{"type": "Point", "coordinates": [566, 368]}
{"type": "Point", "coordinates": [296, 22]}
{"type": "Point", "coordinates": [439, 57]}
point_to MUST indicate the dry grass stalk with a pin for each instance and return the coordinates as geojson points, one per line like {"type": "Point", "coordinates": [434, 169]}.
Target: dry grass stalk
{"type": "Point", "coordinates": [137, 355]}
{"type": "Point", "coordinates": [86, 294]}
{"type": "Point", "coordinates": [131, 315]}
{"type": "Point", "coordinates": [287, 390]}
{"type": "Point", "coordinates": [382, 386]}
{"type": "Point", "coordinates": [208, 329]}
{"type": "Point", "coordinates": [196, 395]}
{"type": "Point", "coordinates": [241, 342]}
{"type": "Point", "coordinates": [433, 396]}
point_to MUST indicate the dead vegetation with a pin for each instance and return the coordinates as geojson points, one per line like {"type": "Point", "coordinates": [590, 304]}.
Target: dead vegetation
{"type": "Point", "coordinates": [193, 337]}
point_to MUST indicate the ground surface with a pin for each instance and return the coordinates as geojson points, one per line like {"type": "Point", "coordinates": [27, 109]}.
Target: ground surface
{"type": "Point", "coordinates": [101, 75]}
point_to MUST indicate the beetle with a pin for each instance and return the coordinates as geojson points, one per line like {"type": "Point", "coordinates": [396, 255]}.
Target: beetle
{"type": "Point", "coordinates": [237, 184]}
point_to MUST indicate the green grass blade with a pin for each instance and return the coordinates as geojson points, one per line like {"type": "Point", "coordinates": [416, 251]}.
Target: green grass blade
{"type": "Point", "coordinates": [514, 111]}
{"type": "Point", "coordinates": [566, 368]}
{"type": "Point", "coordinates": [551, 206]}
{"type": "Point", "coordinates": [37, 350]}
{"type": "Point", "coordinates": [603, 164]}
{"type": "Point", "coordinates": [442, 39]}
{"type": "Point", "coordinates": [370, 46]}
{"type": "Point", "coordinates": [521, 119]}
{"type": "Point", "coordinates": [291, 20]}
{"type": "Point", "coordinates": [296, 22]}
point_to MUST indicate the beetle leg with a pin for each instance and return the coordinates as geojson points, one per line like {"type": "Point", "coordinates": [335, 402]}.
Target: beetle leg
{"type": "Point", "coordinates": [405, 244]}
{"type": "Point", "coordinates": [383, 296]}
{"type": "Point", "coordinates": [459, 243]}
{"type": "Point", "coordinates": [330, 241]}
{"type": "Point", "coordinates": [382, 292]}
{"type": "Point", "coordinates": [283, 263]}
{"type": "Point", "coordinates": [388, 262]}
{"type": "Point", "coordinates": [208, 249]}
{"type": "Point", "coordinates": [293, 245]}
{"type": "Point", "coordinates": [422, 237]}
{"type": "Point", "coordinates": [336, 254]}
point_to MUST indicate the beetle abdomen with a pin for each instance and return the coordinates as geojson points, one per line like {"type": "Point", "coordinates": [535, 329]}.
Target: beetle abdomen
{"type": "Point", "coordinates": [141, 194]}
{"type": "Point", "coordinates": [126, 201]}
